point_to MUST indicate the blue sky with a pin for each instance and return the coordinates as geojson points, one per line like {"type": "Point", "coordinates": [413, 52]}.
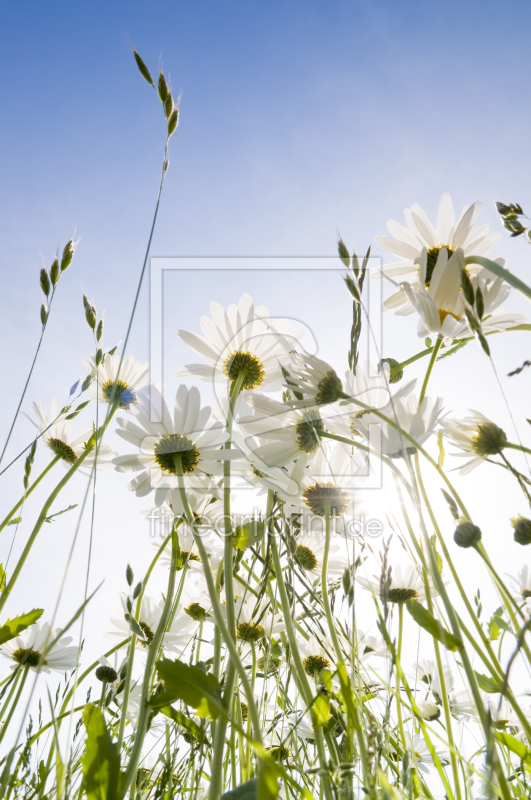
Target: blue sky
{"type": "Point", "coordinates": [298, 120]}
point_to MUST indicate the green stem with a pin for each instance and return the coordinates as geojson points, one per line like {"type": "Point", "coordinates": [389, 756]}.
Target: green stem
{"type": "Point", "coordinates": [14, 703]}
{"type": "Point", "coordinates": [29, 491]}
{"type": "Point", "coordinates": [153, 651]}
{"type": "Point", "coordinates": [399, 655]}
{"type": "Point", "coordinates": [48, 504]}
{"type": "Point", "coordinates": [518, 447]}
{"type": "Point", "coordinates": [433, 358]}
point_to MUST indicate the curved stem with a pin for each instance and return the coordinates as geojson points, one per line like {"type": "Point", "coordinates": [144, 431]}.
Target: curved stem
{"type": "Point", "coordinates": [29, 491]}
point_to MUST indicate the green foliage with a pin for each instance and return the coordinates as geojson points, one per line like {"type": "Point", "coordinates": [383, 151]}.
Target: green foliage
{"type": "Point", "coordinates": [423, 618]}
{"type": "Point", "coordinates": [249, 534]}
{"type": "Point", "coordinates": [16, 625]}
{"type": "Point", "coordinates": [102, 779]}
{"type": "Point", "coordinates": [190, 684]}
{"type": "Point", "coordinates": [245, 791]}
{"type": "Point", "coordinates": [185, 722]}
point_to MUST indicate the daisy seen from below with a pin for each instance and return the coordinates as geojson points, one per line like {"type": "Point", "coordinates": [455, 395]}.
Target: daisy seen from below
{"type": "Point", "coordinates": [255, 623]}
{"type": "Point", "coordinates": [420, 233]}
{"type": "Point", "coordinates": [175, 639]}
{"type": "Point", "coordinates": [116, 383]}
{"type": "Point", "coordinates": [313, 379]}
{"type": "Point", "coordinates": [289, 432]}
{"type": "Point", "coordinates": [31, 649]}
{"type": "Point", "coordinates": [422, 757]}
{"type": "Point", "coordinates": [184, 443]}
{"type": "Point", "coordinates": [189, 552]}
{"type": "Point", "coordinates": [442, 307]}
{"type": "Point", "coordinates": [476, 437]}
{"type": "Point", "coordinates": [326, 489]}
{"type": "Point", "coordinates": [406, 584]}
{"type": "Point", "coordinates": [309, 553]}
{"type": "Point", "coordinates": [419, 422]}
{"type": "Point", "coordinates": [58, 437]}
{"type": "Point", "coordinates": [240, 343]}
{"type": "Point", "coordinates": [522, 585]}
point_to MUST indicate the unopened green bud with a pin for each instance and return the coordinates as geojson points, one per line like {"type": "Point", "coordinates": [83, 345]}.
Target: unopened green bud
{"type": "Point", "coordinates": [99, 330]}
{"type": "Point", "coordinates": [173, 121]}
{"type": "Point", "coordinates": [522, 530]}
{"type": "Point", "coordinates": [45, 282]}
{"type": "Point", "coordinates": [480, 305]}
{"type": "Point", "coordinates": [106, 674]}
{"type": "Point", "coordinates": [81, 406]}
{"type": "Point", "coordinates": [90, 314]}
{"type": "Point", "coordinates": [395, 375]}
{"type": "Point", "coordinates": [467, 534]}
{"type": "Point", "coordinates": [168, 105]}
{"type": "Point", "coordinates": [99, 357]}
{"type": "Point", "coordinates": [489, 440]}
{"type": "Point", "coordinates": [137, 591]}
{"type": "Point", "coordinates": [54, 272]}
{"type": "Point", "coordinates": [163, 87]}
{"type": "Point", "coordinates": [68, 255]}
{"type": "Point", "coordinates": [44, 314]}
{"type": "Point", "coordinates": [129, 575]}
{"type": "Point", "coordinates": [343, 253]}
{"type": "Point", "coordinates": [143, 69]}
{"type": "Point", "coordinates": [86, 383]}
{"type": "Point", "coordinates": [468, 289]}
{"type": "Point", "coordinates": [346, 580]}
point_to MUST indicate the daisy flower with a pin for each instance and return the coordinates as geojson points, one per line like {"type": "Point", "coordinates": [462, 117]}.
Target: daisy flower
{"type": "Point", "coordinates": [113, 383]}
{"type": "Point", "coordinates": [419, 422]}
{"type": "Point", "coordinates": [288, 432]}
{"type": "Point", "coordinates": [476, 437]}
{"type": "Point", "coordinates": [32, 649]}
{"type": "Point", "coordinates": [195, 598]}
{"type": "Point", "coordinates": [185, 436]}
{"type": "Point", "coordinates": [326, 488]}
{"type": "Point", "coordinates": [189, 552]}
{"type": "Point", "coordinates": [58, 437]}
{"type": "Point", "coordinates": [175, 639]}
{"type": "Point", "coordinates": [442, 307]}
{"type": "Point", "coordinates": [310, 553]}
{"type": "Point", "coordinates": [420, 233]}
{"type": "Point", "coordinates": [420, 752]}
{"type": "Point", "coordinates": [369, 645]}
{"type": "Point", "coordinates": [370, 387]}
{"type": "Point", "coordinates": [425, 671]}
{"type": "Point", "coordinates": [240, 341]}
{"type": "Point", "coordinates": [522, 585]}
{"type": "Point", "coordinates": [254, 622]}
{"type": "Point", "coordinates": [314, 379]}
{"type": "Point", "coordinates": [461, 705]}
{"type": "Point", "coordinates": [315, 655]}
{"type": "Point", "coordinates": [406, 584]}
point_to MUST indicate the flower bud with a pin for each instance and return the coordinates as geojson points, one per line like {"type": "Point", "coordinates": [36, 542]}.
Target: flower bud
{"type": "Point", "coordinates": [168, 105]}
{"type": "Point", "coordinates": [163, 87]}
{"type": "Point", "coordinates": [44, 314]}
{"type": "Point", "coordinates": [129, 576]}
{"type": "Point", "coordinates": [99, 357]}
{"type": "Point", "coordinates": [143, 69]}
{"type": "Point", "coordinates": [522, 530]}
{"type": "Point", "coordinates": [173, 121]}
{"type": "Point", "coordinates": [99, 330]}
{"type": "Point", "coordinates": [86, 383]}
{"type": "Point", "coordinates": [395, 375]}
{"type": "Point", "coordinates": [68, 255]}
{"type": "Point", "coordinates": [54, 272]}
{"type": "Point", "coordinates": [45, 282]}
{"type": "Point", "coordinates": [106, 674]}
{"type": "Point", "coordinates": [489, 440]}
{"type": "Point", "coordinates": [467, 534]}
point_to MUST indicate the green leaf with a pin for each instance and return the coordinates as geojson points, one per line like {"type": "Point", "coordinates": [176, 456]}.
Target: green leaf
{"type": "Point", "coordinates": [15, 521]}
{"type": "Point", "coordinates": [247, 535]}
{"type": "Point", "coordinates": [245, 791]}
{"type": "Point", "coordinates": [190, 684]}
{"type": "Point", "coordinates": [16, 625]}
{"type": "Point", "coordinates": [185, 722]}
{"type": "Point", "coordinates": [515, 746]}
{"type": "Point", "coordinates": [320, 710]}
{"type": "Point", "coordinates": [501, 623]}
{"type": "Point", "coordinates": [423, 618]}
{"type": "Point", "coordinates": [102, 779]}
{"type": "Point", "coordinates": [438, 557]}
{"type": "Point", "coordinates": [454, 511]}
{"type": "Point", "coordinates": [488, 684]}
{"type": "Point", "coordinates": [493, 629]}
{"type": "Point", "coordinates": [267, 787]}
{"type": "Point", "coordinates": [501, 272]}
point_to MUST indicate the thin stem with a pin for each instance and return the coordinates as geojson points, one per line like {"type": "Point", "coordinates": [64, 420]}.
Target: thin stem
{"type": "Point", "coordinates": [29, 491]}
{"type": "Point", "coordinates": [433, 358]}
{"type": "Point", "coordinates": [14, 703]}
{"type": "Point", "coordinates": [399, 655]}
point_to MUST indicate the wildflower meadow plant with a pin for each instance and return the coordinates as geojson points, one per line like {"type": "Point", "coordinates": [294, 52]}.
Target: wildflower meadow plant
{"type": "Point", "coordinates": [284, 653]}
